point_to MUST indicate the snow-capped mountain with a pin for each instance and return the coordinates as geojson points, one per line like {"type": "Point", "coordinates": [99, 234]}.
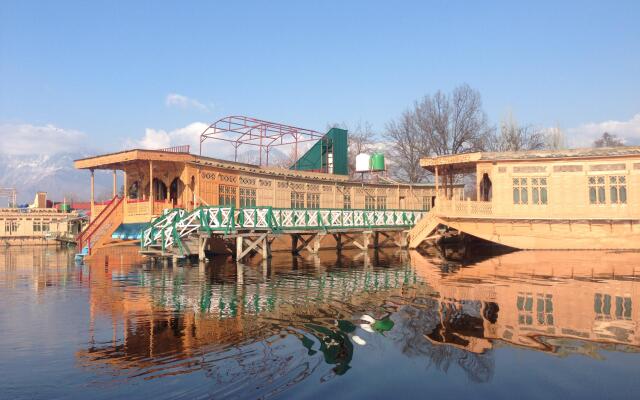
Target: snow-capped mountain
{"type": "Point", "coordinates": [53, 174]}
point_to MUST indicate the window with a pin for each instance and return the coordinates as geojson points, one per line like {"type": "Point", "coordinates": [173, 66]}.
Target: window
{"type": "Point", "coordinates": [369, 202]}
{"type": "Point", "coordinates": [381, 203]}
{"type": "Point", "coordinates": [618, 189]}
{"type": "Point", "coordinates": [313, 200]}
{"type": "Point", "coordinates": [346, 201]}
{"type": "Point", "coordinates": [539, 191]}
{"type": "Point", "coordinates": [37, 225]}
{"type": "Point", "coordinates": [520, 192]}
{"type": "Point", "coordinates": [544, 309]}
{"type": "Point", "coordinates": [10, 226]}
{"type": "Point", "coordinates": [45, 226]}
{"type": "Point", "coordinates": [247, 197]}
{"type": "Point", "coordinates": [297, 200]}
{"type": "Point", "coordinates": [602, 306]}
{"type": "Point", "coordinates": [597, 190]}
{"type": "Point", "coordinates": [426, 203]}
{"type": "Point", "coordinates": [525, 308]}
{"type": "Point", "coordinates": [615, 185]}
{"type": "Point", "coordinates": [227, 195]}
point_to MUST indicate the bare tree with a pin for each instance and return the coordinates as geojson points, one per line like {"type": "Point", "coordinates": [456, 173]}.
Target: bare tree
{"type": "Point", "coordinates": [442, 124]}
{"type": "Point", "coordinates": [555, 139]}
{"type": "Point", "coordinates": [515, 137]}
{"type": "Point", "coordinates": [407, 146]}
{"type": "Point", "coordinates": [608, 140]}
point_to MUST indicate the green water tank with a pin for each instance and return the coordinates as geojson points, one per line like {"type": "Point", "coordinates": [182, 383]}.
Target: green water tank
{"type": "Point", "coordinates": [65, 208]}
{"type": "Point", "coordinates": [377, 162]}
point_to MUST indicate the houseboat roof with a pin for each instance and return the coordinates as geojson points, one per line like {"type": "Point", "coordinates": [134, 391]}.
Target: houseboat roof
{"type": "Point", "coordinates": [468, 160]}
{"type": "Point", "coordinates": [119, 159]}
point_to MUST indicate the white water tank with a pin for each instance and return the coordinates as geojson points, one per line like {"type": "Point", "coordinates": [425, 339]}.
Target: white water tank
{"type": "Point", "coordinates": [362, 162]}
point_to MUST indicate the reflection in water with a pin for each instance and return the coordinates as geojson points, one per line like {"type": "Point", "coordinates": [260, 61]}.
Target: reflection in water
{"type": "Point", "coordinates": [260, 329]}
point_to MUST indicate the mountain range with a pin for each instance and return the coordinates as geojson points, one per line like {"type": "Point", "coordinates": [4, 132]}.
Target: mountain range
{"type": "Point", "coordinates": [53, 174]}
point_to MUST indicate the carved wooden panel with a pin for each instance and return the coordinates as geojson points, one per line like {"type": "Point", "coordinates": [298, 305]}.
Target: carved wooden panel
{"type": "Point", "coordinates": [567, 168]}
{"type": "Point", "coordinates": [608, 167]}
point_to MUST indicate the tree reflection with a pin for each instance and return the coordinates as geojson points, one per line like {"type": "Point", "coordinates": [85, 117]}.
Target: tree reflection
{"type": "Point", "coordinates": [421, 330]}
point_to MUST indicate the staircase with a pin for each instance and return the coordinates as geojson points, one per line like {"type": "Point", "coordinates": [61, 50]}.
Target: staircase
{"type": "Point", "coordinates": [423, 229]}
{"type": "Point", "coordinates": [101, 227]}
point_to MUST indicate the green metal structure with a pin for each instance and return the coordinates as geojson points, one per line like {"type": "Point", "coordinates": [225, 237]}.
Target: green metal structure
{"type": "Point", "coordinates": [331, 149]}
{"type": "Point", "coordinates": [171, 228]}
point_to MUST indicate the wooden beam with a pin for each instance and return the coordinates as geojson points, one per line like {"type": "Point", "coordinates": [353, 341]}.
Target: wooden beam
{"type": "Point", "coordinates": [92, 194]}
{"type": "Point", "coordinates": [115, 184]}
{"type": "Point", "coordinates": [150, 187]}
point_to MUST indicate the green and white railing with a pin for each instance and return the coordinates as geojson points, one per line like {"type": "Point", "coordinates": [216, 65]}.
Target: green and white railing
{"type": "Point", "coordinates": [176, 224]}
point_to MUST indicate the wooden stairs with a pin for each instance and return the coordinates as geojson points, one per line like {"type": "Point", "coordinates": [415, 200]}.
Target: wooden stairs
{"type": "Point", "coordinates": [424, 230]}
{"type": "Point", "coordinates": [99, 231]}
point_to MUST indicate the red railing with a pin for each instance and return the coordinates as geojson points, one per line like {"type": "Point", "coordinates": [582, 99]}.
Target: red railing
{"type": "Point", "coordinates": [85, 236]}
{"type": "Point", "coordinates": [177, 149]}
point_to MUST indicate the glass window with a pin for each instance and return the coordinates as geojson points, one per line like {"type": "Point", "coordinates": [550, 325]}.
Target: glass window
{"type": "Point", "coordinates": [618, 189]}
{"type": "Point", "coordinates": [426, 203]}
{"type": "Point", "coordinates": [521, 191]}
{"type": "Point", "coordinates": [247, 197]}
{"type": "Point", "coordinates": [346, 201]}
{"type": "Point", "coordinates": [369, 202]}
{"type": "Point", "coordinates": [297, 200]}
{"type": "Point", "coordinates": [226, 195]}
{"type": "Point", "coordinates": [381, 203]}
{"type": "Point", "coordinates": [313, 200]}
{"type": "Point", "coordinates": [597, 190]}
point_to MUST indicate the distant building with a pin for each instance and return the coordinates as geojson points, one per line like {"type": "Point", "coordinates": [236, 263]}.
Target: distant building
{"type": "Point", "coordinates": [37, 225]}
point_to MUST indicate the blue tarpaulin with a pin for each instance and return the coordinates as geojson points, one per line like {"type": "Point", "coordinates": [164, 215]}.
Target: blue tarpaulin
{"type": "Point", "coordinates": [129, 231]}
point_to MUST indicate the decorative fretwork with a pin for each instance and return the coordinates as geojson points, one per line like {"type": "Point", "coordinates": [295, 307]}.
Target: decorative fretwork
{"type": "Point", "coordinates": [228, 178]}
{"type": "Point", "coordinates": [209, 176]}
{"type": "Point", "coordinates": [247, 181]}
{"type": "Point", "coordinates": [265, 182]}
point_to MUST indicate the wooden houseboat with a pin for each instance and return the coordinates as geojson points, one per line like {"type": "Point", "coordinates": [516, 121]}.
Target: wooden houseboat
{"type": "Point", "coordinates": [155, 181]}
{"type": "Point", "coordinates": [564, 199]}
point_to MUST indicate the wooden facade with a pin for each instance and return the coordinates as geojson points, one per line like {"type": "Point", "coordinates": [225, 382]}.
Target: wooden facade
{"type": "Point", "coordinates": [572, 199]}
{"type": "Point", "coordinates": [157, 180]}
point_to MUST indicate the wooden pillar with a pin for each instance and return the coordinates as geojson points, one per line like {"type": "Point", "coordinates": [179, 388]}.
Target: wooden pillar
{"type": "Point", "coordinates": [201, 247]}
{"type": "Point", "coordinates": [376, 239]}
{"type": "Point", "coordinates": [92, 194]}
{"type": "Point", "coordinates": [196, 190]}
{"type": "Point", "coordinates": [239, 249]}
{"type": "Point", "coordinates": [437, 184]}
{"type": "Point", "coordinates": [266, 248]}
{"type": "Point", "coordinates": [125, 185]}
{"type": "Point", "coordinates": [294, 243]}
{"type": "Point", "coordinates": [151, 187]}
{"type": "Point", "coordinates": [366, 238]}
{"type": "Point", "coordinates": [115, 184]}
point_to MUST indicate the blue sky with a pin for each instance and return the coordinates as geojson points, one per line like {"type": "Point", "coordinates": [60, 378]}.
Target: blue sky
{"type": "Point", "coordinates": [113, 74]}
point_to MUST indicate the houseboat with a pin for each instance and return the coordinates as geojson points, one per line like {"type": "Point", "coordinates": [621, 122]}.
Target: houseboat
{"type": "Point", "coordinates": [37, 224]}
{"type": "Point", "coordinates": [158, 181]}
{"type": "Point", "coordinates": [555, 199]}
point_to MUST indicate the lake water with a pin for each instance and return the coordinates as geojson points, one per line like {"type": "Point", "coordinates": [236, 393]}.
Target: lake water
{"type": "Point", "coordinates": [379, 325]}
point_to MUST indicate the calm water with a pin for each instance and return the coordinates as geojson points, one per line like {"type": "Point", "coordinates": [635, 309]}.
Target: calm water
{"type": "Point", "coordinates": [391, 325]}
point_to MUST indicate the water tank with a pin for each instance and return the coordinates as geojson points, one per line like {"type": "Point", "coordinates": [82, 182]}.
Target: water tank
{"type": "Point", "coordinates": [362, 162]}
{"type": "Point", "coordinates": [65, 208]}
{"type": "Point", "coordinates": [377, 162]}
